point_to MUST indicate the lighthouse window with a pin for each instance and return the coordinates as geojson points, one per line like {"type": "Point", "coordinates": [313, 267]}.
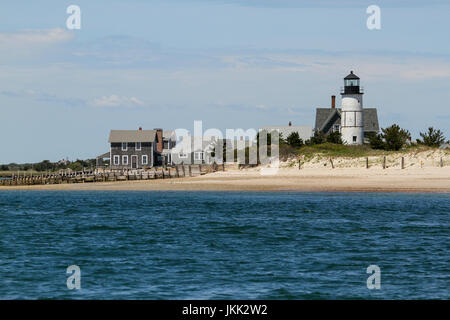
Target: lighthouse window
{"type": "Point", "coordinates": [351, 83]}
{"type": "Point", "coordinates": [354, 138]}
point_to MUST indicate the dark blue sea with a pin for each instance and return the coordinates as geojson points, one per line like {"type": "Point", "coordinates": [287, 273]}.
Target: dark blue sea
{"type": "Point", "coordinates": [222, 245]}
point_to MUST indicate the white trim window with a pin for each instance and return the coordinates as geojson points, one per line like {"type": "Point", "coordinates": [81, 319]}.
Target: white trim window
{"type": "Point", "coordinates": [138, 146]}
{"type": "Point", "coordinates": [198, 156]}
{"type": "Point", "coordinates": [337, 128]}
{"type": "Point", "coordinates": [124, 146]}
{"type": "Point", "coordinates": [182, 155]}
{"type": "Point", "coordinates": [125, 160]}
{"type": "Point", "coordinates": [116, 160]}
{"type": "Point", "coordinates": [144, 159]}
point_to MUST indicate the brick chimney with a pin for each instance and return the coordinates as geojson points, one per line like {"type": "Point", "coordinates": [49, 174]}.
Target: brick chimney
{"type": "Point", "coordinates": [159, 140]}
{"type": "Point", "coordinates": [333, 102]}
{"type": "Point", "coordinates": [290, 124]}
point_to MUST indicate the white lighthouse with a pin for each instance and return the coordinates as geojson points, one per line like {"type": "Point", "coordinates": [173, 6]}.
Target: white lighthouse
{"type": "Point", "coordinates": [352, 125]}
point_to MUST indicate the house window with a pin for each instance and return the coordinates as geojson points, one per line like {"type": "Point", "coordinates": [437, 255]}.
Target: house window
{"type": "Point", "coordinates": [337, 128]}
{"type": "Point", "coordinates": [198, 156]}
{"type": "Point", "coordinates": [125, 160]}
{"type": "Point", "coordinates": [182, 154]}
{"type": "Point", "coordinates": [138, 146]}
{"type": "Point", "coordinates": [144, 159]}
{"type": "Point", "coordinates": [124, 146]}
{"type": "Point", "coordinates": [354, 138]}
{"type": "Point", "coordinates": [116, 160]}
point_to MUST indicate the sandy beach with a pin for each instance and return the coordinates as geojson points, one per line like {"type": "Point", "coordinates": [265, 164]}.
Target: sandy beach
{"type": "Point", "coordinates": [286, 179]}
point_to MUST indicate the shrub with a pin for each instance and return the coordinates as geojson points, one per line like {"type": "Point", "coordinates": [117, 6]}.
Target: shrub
{"type": "Point", "coordinates": [318, 138]}
{"type": "Point", "coordinates": [432, 138]}
{"type": "Point", "coordinates": [294, 140]}
{"type": "Point", "coordinates": [334, 137]}
{"type": "Point", "coordinates": [395, 137]}
{"type": "Point", "coordinates": [376, 141]}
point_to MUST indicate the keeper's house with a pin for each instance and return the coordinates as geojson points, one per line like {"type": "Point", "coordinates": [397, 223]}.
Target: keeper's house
{"type": "Point", "coordinates": [139, 149]}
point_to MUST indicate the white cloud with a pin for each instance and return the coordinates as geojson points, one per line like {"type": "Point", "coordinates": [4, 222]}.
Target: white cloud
{"type": "Point", "coordinates": [35, 37]}
{"type": "Point", "coordinates": [116, 101]}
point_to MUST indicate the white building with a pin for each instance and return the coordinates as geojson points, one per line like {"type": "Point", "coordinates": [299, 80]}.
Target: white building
{"type": "Point", "coordinates": [352, 122]}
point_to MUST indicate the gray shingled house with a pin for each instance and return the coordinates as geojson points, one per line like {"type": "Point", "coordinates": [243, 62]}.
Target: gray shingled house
{"type": "Point", "coordinates": [139, 149]}
{"type": "Point", "coordinates": [329, 120]}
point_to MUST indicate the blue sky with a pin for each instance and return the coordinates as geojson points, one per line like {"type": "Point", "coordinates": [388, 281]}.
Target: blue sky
{"type": "Point", "coordinates": [232, 64]}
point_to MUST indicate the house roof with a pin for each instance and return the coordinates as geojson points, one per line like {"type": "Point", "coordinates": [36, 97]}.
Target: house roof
{"type": "Point", "coordinates": [351, 76]}
{"type": "Point", "coordinates": [325, 115]}
{"type": "Point", "coordinates": [103, 156]}
{"type": "Point", "coordinates": [305, 132]}
{"type": "Point", "coordinates": [132, 136]}
{"type": "Point", "coordinates": [169, 134]}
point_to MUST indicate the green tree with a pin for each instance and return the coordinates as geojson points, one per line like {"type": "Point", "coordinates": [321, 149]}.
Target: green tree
{"type": "Point", "coordinates": [376, 141]}
{"type": "Point", "coordinates": [43, 165]}
{"type": "Point", "coordinates": [318, 138]}
{"type": "Point", "coordinates": [334, 137]}
{"type": "Point", "coordinates": [4, 167]}
{"type": "Point", "coordinates": [395, 137]}
{"type": "Point", "coordinates": [432, 138]}
{"type": "Point", "coordinates": [294, 140]}
{"type": "Point", "coordinates": [76, 166]}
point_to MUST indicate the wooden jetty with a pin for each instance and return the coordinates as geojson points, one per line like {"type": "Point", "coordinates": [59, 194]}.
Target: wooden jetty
{"type": "Point", "coordinates": [91, 176]}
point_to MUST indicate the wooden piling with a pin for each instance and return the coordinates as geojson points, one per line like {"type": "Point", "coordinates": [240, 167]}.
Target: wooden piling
{"type": "Point", "coordinates": [367, 162]}
{"type": "Point", "coordinates": [384, 162]}
{"type": "Point", "coordinates": [403, 162]}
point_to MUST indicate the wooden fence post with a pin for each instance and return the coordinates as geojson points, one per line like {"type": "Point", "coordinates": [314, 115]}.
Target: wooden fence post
{"type": "Point", "coordinates": [384, 162]}
{"type": "Point", "coordinates": [403, 162]}
{"type": "Point", "coordinates": [442, 163]}
{"type": "Point", "coordinates": [190, 171]}
{"type": "Point", "coordinates": [367, 162]}
{"type": "Point", "coordinates": [332, 165]}
{"type": "Point", "coordinates": [299, 164]}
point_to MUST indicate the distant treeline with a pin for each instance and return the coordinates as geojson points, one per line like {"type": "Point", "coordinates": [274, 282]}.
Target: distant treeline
{"type": "Point", "coordinates": [47, 165]}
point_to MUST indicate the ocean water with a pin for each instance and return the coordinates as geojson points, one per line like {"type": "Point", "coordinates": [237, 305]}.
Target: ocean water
{"type": "Point", "coordinates": [222, 245]}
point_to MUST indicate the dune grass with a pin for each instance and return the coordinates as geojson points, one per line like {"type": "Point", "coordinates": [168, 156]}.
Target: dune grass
{"type": "Point", "coordinates": [339, 150]}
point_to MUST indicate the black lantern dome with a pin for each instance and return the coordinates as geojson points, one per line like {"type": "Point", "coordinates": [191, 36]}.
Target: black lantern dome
{"type": "Point", "coordinates": [351, 84]}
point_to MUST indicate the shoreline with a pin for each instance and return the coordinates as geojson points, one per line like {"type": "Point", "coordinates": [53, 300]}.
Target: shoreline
{"type": "Point", "coordinates": [411, 180]}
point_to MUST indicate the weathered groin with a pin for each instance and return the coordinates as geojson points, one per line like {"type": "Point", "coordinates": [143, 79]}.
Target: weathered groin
{"type": "Point", "coordinates": [178, 171]}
